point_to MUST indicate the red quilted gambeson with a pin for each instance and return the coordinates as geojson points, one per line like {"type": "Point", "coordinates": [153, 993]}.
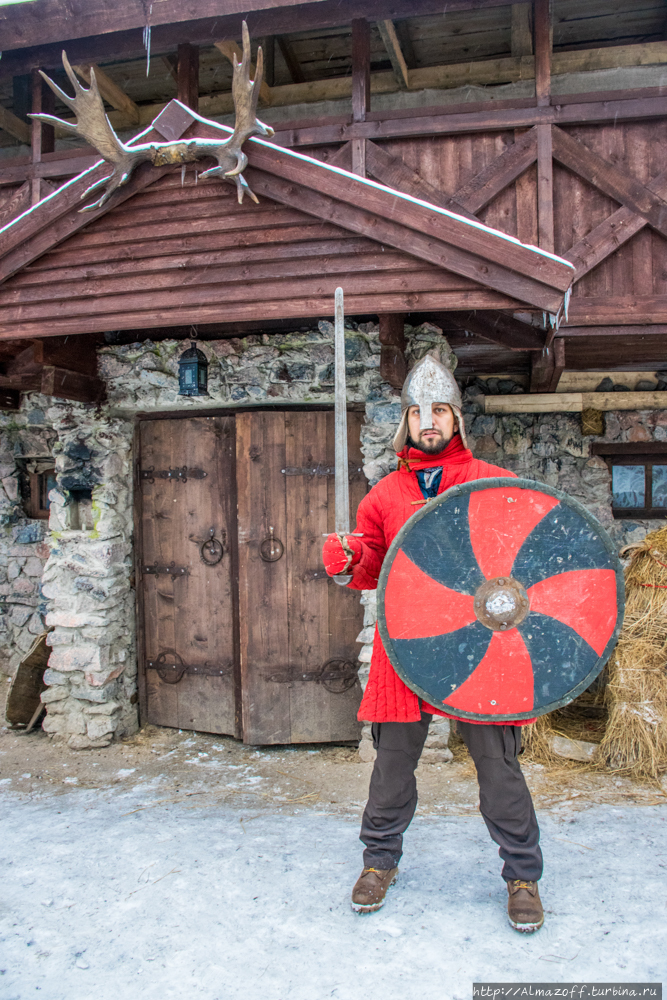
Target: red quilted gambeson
{"type": "Point", "coordinates": [381, 515]}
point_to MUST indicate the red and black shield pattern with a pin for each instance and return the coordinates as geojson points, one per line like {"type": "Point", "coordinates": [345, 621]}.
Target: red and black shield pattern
{"type": "Point", "coordinates": [518, 550]}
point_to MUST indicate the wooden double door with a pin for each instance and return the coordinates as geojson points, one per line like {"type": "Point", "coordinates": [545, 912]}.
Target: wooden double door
{"type": "Point", "coordinates": [241, 630]}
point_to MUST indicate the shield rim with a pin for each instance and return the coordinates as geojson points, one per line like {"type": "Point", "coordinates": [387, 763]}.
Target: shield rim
{"type": "Point", "coordinates": [494, 482]}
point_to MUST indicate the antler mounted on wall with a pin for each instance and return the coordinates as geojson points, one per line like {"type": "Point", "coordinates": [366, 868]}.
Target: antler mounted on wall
{"type": "Point", "coordinates": [93, 125]}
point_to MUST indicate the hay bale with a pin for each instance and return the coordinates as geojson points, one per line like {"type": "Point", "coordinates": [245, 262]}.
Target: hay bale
{"type": "Point", "coordinates": [635, 739]}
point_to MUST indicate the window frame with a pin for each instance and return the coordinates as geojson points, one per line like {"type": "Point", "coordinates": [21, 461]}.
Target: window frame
{"type": "Point", "coordinates": [646, 453]}
{"type": "Point", "coordinates": [34, 503]}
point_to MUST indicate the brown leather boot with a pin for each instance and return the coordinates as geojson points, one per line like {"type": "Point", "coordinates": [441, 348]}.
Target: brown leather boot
{"type": "Point", "coordinates": [371, 888]}
{"type": "Point", "coordinates": [524, 906]}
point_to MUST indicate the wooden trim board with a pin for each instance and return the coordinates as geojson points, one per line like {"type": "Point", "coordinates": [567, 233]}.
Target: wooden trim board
{"type": "Point", "coordinates": [575, 402]}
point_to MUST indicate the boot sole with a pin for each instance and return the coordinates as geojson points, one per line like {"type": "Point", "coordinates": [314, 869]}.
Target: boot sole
{"type": "Point", "coordinates": [372, 907]}
{"type": "Point", "coordinates": [526, 928]}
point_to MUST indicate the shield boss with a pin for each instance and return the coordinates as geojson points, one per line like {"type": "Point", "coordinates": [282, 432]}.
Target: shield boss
{"type": "Point", "coordinates": [501, 599]}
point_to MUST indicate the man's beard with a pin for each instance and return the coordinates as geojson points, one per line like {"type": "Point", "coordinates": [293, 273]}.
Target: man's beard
{"type": "Point", "coordinates": [433, 447]}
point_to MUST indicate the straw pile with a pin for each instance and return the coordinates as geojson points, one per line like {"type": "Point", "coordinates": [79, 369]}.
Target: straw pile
{"type": "Point", "coordinates": [635, 739]}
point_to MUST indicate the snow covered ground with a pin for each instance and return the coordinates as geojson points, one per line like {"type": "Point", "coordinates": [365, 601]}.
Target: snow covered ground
{"type": "Point", "coordinates": [187, 900]}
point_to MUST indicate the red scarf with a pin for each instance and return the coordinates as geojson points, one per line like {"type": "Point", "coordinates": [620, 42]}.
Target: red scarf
{"type": "Point", "coordinates": [412, 460]}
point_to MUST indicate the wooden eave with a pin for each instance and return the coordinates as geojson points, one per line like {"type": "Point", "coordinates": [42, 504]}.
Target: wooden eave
{"type": "Point", "coordinates": [493, 270]}
{"type": "Point", "coordinates": [49, 22]}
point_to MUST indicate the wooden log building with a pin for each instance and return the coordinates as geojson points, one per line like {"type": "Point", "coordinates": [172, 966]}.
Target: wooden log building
{"type": "Point", "coordinates": [489, 180]}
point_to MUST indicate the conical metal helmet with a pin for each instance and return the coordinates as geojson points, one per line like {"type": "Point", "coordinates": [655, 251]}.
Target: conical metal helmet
{"type": "Point", "coordinates": [429, 382]}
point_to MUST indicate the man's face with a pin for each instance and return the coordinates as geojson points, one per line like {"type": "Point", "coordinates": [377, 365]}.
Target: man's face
{"type": "Point", "coordinates": [436, 438]}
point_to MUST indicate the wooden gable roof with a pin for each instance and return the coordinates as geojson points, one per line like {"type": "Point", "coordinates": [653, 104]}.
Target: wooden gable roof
{"type": "Point", "coordinates": [164, 252]}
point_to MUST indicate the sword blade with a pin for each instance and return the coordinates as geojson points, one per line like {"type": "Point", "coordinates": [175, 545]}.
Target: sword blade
{"type": "Point", "coordinates": [342, 483]}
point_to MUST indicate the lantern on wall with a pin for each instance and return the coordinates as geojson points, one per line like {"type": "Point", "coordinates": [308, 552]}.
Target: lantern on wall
{"type": "Point", "coordinates": [193, 372]}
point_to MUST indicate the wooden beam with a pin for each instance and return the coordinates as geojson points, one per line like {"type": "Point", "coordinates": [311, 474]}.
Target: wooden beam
{"type": "Point", "coordinates": [604, 240]}
{"type": "Point", "coordinates": [342, 157]}
{"type": "Point", "coordinates": [395, 173]}
{"type": "Point", "coordinates": [17, 204]}
{"type": "Point", "coordinates": [296, 306]}
{"type": "Point", "coordinates": [64, 384]}
{"type": "Point", "coordinates": [617, 310]}
{"type": "Point", "coordinates": [543, 47]}
{"type": "Point", "coordinates": [396, 58]}
{"type": "Point", "coordinates": [547, 368]}
{"type": "Point", "coordinates": [110, 91]}
{"type": "Point", "coordinates": [75, 354]}
{"type": "Point", "coordinates": [497, 252]}
{"type": "Point", "coordinates": [358, 148]}
{"type": "Point", "coordinates": [626, 332]}
{"type": "Point", "coordinates": [269, 51]}
{"type": "Point", "coordinates": [405, 41]}
{"type": "Point", "coordinates": [232, 50]}
{"type": "Point", "coordinates": [603, 175]}
{"type": "Point", "coordinates": [492, 116]}
{"type": "Point", "coordinates": [361, 69]}
{"type": "Point", "coordinates": [522, 32]}
{"type": "Point", "coordinates": [188, 75]}
{"type": "Point", "coordinates": [575, 402]}
{"type": "Point", "coordinates": [393, 366]}
{"type": "Point", "coordinates": [43, 136]}
{"type": "Point", "coordinates": [118, 28]}
{"type": "Point", "coordinates": [500, 329]}
{"type": "Point", "coordinates": [291, 61]}
{"type": "Point", "coordinates": [14, 126]}
{"type": "Point", "coordinates": [490, 181]}
{"type": "Point", "coordinates": [545, 188]}
{"type": "Point", "coordinates": [483, 72]}
{"type": "Point", "coordinates": [171, 63]}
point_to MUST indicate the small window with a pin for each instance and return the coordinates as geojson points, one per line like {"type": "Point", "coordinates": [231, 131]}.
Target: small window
{"type": "Point", "coordinates": [39, 487]}
{"type": "Point", "coordinates": [638, 478]}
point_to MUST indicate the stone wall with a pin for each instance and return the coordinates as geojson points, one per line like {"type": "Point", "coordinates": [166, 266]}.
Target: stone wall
{"type": "Point", "coordinates": [86, 590]}
{"type": "Point", "coordinates": [92, 670]}
{"type": "Point", "coordinates": [26, 444]}
{"type": "Point", "coordinates": [91, 697]}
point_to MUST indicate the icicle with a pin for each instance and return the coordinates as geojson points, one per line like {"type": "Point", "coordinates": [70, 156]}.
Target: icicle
{"type": "Point", "coordinates": [183, 175]}
{"type": "Point", "coordinates": [147, 36]}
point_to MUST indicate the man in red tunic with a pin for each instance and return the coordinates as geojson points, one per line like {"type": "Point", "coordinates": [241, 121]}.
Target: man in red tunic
{"type": "Point", "coordinates": [431, 448]}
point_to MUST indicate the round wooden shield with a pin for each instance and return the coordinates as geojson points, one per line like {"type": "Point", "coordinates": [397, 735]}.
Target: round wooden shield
{"type": "Point", "coordinates": [501, 599]}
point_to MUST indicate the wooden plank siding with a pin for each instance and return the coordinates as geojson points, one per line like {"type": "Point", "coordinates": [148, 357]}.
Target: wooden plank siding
{"type": "Point", "coordinates": [183, 253]}
{"type": "Point", "coordinates": [637, 269]}
{"type": "Point", "coordinates": [192, 249]}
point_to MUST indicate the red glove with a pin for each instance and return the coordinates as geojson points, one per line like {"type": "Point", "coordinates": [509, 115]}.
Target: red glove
{"type": "Point", "coordinates": [336, 559]}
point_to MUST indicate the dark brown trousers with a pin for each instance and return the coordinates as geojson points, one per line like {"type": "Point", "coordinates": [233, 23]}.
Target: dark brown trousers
{"type": "Point", "coordinates": [504, 798]}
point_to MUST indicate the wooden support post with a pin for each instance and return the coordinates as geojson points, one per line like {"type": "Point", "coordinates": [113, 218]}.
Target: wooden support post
{"type": "Point", "coordinates": [522, 34]}
{"type": "Point", "coordinates": [547, 367]}
{"type": "Point", "coordinates": [393, 366]}
{"type": "Point", "coordinates": [361, 69]}
{"type": "Point", "coordinates": [358, 147]}
{"type": "Point", "coordinates": [545, 188]}
{"type": "Point", "coordinates": [188, 75]}
{"type": "Point", "coordinates": [269, 51]}
{"type": "Point", "coordinates": [361, 87]}
{"type": "Point", "coordinates": [543, 46]}
{"type": "Point", "coordinates": [526, 202]}
{"type": "Point", "coordinates": [42, 136]}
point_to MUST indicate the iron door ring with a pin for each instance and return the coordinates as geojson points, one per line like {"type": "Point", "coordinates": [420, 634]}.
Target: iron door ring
{"type": "Point", "coordinates": [170, 673]}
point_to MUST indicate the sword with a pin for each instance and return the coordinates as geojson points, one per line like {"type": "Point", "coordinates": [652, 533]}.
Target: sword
{"type": "Point", "coordinates": [342, 481]}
